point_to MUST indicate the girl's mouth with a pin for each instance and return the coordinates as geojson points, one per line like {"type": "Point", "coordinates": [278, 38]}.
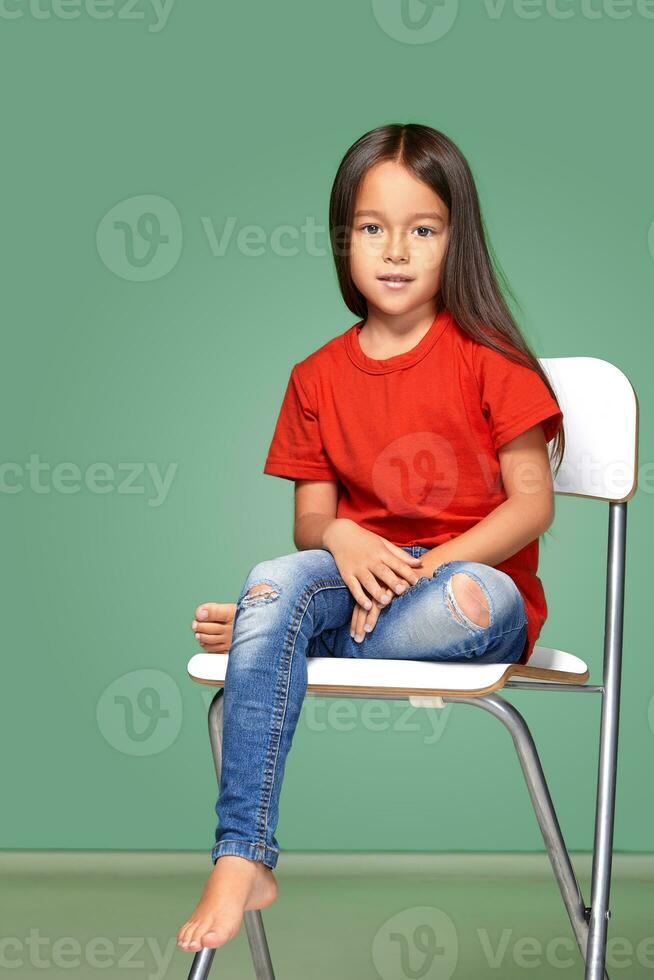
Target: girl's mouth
{"type": "Point", "coordinates": [395, 282]}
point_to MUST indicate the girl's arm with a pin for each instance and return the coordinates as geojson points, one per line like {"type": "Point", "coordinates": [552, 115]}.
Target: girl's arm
{"type": "Point", "coordinates": [315, 510]}
{"type": "Point", "coordinates": [524, 516]}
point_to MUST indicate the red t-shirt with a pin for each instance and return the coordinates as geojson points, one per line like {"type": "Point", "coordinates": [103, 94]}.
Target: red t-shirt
{"type": "Point", "coordinates": [413, 439]}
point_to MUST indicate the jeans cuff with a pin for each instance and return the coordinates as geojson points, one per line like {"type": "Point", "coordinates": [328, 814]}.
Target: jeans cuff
{"type": "Point", "coordinates": [242, 848]}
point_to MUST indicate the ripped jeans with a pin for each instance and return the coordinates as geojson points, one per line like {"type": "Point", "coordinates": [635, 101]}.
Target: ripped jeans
{"type": "Point", "coordinates": [307, 612]}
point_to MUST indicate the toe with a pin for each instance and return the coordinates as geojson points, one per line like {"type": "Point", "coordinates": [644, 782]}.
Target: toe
{"type": "Point", "coordinates": [193, 941]}
{"type": "Point", "coordinates": [190, 938]}
{"type": "Point", "coordinates": [214, 938]}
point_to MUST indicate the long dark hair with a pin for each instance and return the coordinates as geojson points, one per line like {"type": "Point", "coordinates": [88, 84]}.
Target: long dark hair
{"type": "Point", "coordinates": [469, 283]}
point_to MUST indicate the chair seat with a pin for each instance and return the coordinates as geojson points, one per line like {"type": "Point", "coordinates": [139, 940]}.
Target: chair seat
{"type": "Point", "coordinates": [360, 676]}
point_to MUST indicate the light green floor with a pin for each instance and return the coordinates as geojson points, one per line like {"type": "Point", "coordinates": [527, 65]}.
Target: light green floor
{"type": "Point", "coordinates": [397, 917]}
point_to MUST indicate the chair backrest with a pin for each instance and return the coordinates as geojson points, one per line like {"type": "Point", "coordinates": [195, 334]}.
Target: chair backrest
{"type": "Point", "coordinates": [600, 418]}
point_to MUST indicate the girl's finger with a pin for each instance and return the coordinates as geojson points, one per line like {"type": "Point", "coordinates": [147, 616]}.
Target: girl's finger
{"type": "Point", "coordinates": [358, 594]}
{"type": "Point", "coordinates": [375, 588]}
{"type": "Point", "coordinates": [371, 619]}
{"type": "Point", "coordinates": [363, 622]}
{"type": "Point", "coordinates": [356, 625]}
{"type": "Point", "coordinates": [405, 571]}
{"type": "Point", "coordinates": [396, 584]}
{"type": "Point", "coordinates": [401, 553]}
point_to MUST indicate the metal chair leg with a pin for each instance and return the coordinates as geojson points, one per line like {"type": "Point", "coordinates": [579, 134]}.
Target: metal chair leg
{"type": "Point", "coordinates": [608, 751]}
{"type": "Point", "coordinates": [544, 809]}
{"type": "Point", "coordinates": [263, 968]}
{"type": "Point", "coordinates": [201, 964]}
{"type": "Point", "coordinates": [253, 919]}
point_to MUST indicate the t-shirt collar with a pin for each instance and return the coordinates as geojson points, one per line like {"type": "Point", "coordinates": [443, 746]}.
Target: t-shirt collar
{"type": "Point", "coordinates": [384, 365]}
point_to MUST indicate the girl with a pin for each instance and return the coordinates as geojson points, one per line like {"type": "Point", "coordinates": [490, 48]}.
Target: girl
{"type": "Point", "coordinates": [417, 440]}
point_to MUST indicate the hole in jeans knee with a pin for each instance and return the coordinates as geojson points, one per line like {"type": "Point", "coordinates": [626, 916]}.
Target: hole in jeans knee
{"type": "Point", "coordinates": [263, 592]}
{"type": "Point", "coordinates": [468, 601]}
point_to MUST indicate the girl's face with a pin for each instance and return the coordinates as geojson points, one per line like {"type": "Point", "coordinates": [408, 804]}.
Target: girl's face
{"type": "Point", "coordinates": [400, 227]}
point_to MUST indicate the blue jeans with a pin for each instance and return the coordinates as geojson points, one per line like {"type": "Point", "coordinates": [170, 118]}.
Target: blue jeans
{"type": "Point", "coordinates": [307, 613]}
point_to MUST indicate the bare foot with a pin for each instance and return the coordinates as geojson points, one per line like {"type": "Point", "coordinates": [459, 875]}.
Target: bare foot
{"type": "Point", "coordinates": [236, 885]}
{"type": "Point", "coordinates": [213, 626]}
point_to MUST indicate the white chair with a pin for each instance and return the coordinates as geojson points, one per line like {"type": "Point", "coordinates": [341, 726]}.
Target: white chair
{"type": "Point", "coordinates": [601, 426]}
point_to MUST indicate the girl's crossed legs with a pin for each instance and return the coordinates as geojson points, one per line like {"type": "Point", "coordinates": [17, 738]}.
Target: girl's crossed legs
{"type": "Point", "coordinates": [297, 606]}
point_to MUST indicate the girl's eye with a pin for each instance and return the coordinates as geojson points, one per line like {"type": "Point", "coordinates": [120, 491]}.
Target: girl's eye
{"type": "Point", "coordinates": [430, 231]}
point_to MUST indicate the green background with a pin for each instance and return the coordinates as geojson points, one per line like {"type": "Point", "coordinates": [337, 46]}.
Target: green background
{"type": "Point", "coordinates": [242, 113]}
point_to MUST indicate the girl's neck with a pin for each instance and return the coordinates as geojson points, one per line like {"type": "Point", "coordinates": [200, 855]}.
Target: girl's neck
{"type": "Point", "coordinates": [383, 336]}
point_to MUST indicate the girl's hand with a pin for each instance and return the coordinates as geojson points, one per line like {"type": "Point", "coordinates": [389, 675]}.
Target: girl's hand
{"type": "Point", "coordinates": [364, 621]}
{"type": "Point", "coordinates": [213, 626]}
{"type": "Point", "coordinates": [371, 567]}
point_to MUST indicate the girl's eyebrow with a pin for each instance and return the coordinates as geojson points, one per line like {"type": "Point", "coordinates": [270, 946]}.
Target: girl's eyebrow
{"type": "Point", "coordinates": [418, 214]}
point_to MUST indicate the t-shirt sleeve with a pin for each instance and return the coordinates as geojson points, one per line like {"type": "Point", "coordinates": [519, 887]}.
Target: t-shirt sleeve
{"type": "Point", "coordinates": [513, 397]}
{"type": "Point", "coordinates": [297, 451]}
